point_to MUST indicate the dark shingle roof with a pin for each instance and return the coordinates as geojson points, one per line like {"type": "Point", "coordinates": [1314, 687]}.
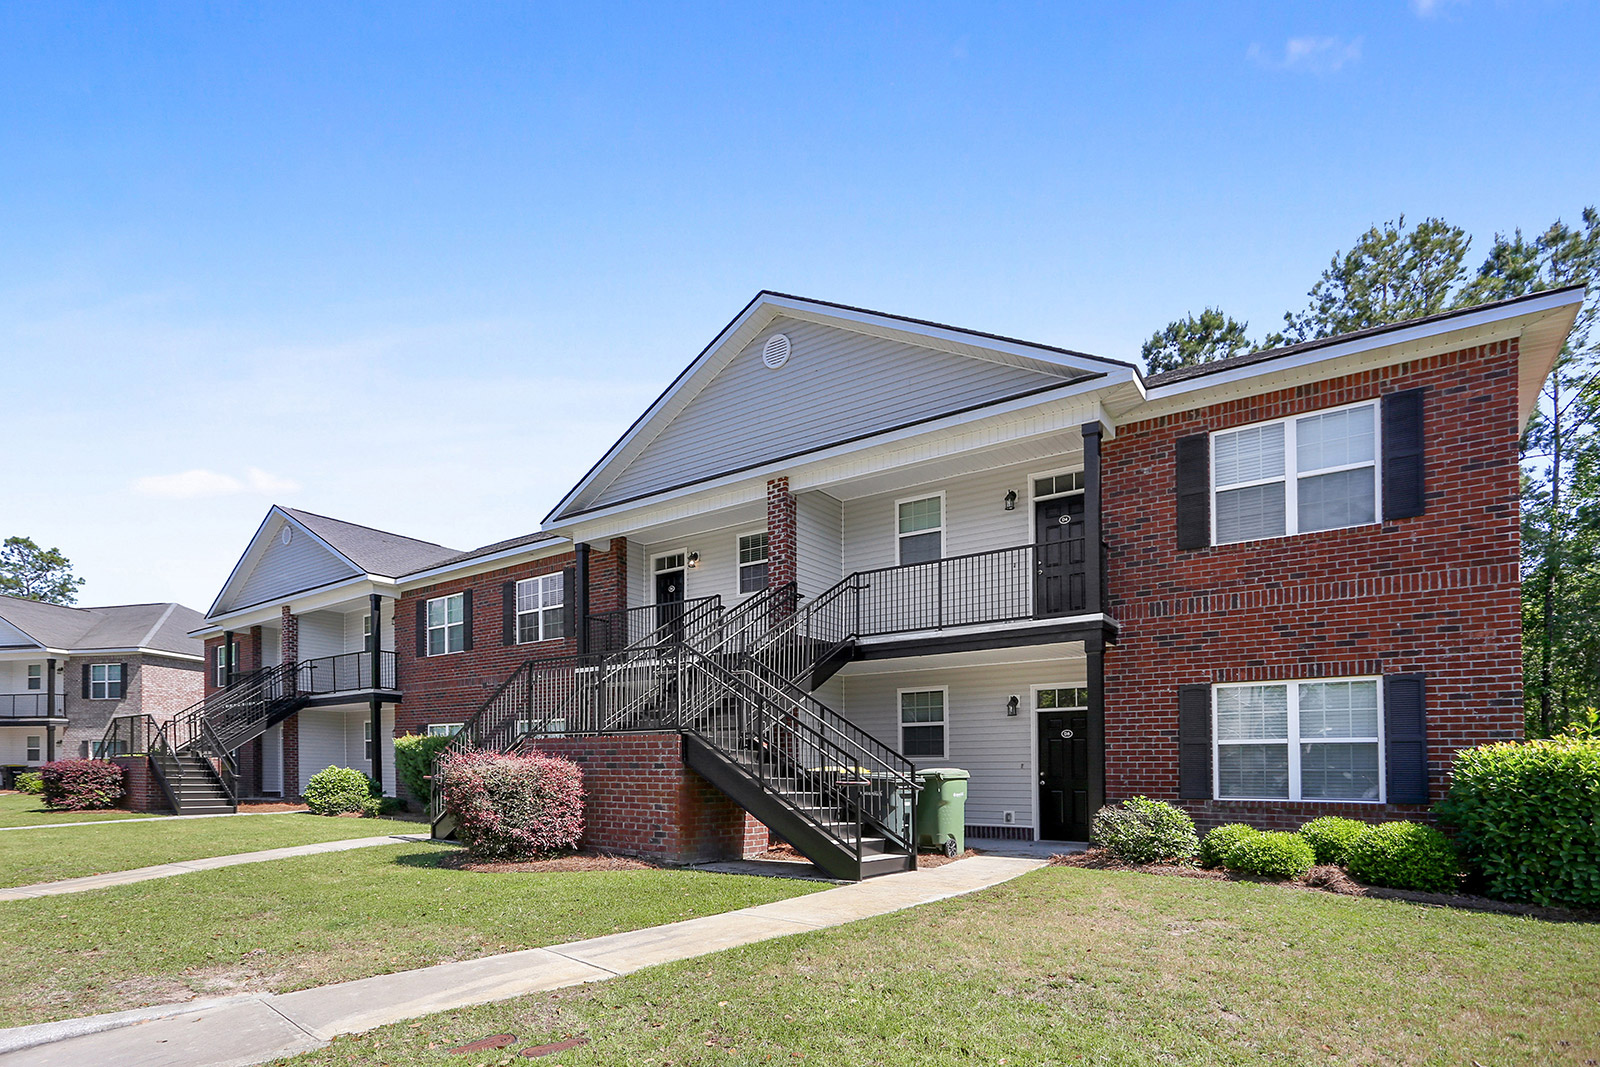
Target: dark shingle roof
{"type": "Point", "coordinates": [374, 551]}
{"type": "Point", "coordinates": [489, 550]}
{"type": "Point", "coordinates": [162, 626]}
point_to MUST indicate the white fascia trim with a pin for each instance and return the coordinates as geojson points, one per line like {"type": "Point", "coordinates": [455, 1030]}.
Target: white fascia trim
{"type": "Point", "coordinates": [250, 552]}
{"type": "Point", "coordinates": [539, 550]}
{"type": "Point", "coordinates": [1504, 317]}
{"type": "Point", "coordinates": [80, 653]}
{"type": "Point", "coordinates": [306, 600]}
{"type": "Point", "coordinates": [764, 471]}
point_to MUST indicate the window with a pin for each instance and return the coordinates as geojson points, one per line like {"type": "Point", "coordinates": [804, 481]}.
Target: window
{"type": "Point", "coordinates": [105, 681]}
{"type": "Point", "coordinates": [1058, 485]}
{"type": "Point", "coordinates": [1299, 740]}
{"type": "Point", "coordinates": [33, 747]}
{"type": "Point", "coordinates": [753, 562]}
{"type": "Point", "coordinates": [921, 529]}
{"type": "Point", "coordinates": [35, 675]}
{"type": "Point", "coordinates": [922, 722]}
{"type": "Point", "coordinates": [447, 631]}
{"type": "Point", "coordinates": [541, 614]}
{"type": "Point", "coordinates": [1314, 472]}
{"type": "Point", "coordinates": [366, 740]}
{"type": "Point", "coordinates": [1061, 698]}
{"type": "Point", "coordinates": [366, 633]}
{"type": "Point", "coordinates": [443, 729]}
{"type": "Point", "coordinates": [223, 663]}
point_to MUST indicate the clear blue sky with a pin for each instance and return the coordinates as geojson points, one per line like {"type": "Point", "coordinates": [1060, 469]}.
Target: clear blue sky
{"type": "Point", "coordinates": [417, 265]}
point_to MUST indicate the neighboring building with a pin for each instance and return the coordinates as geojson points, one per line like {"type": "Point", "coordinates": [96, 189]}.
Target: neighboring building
{"type": "Point", "coordinates": [65, 671]}
{"type": "Point", "coordinates": [1271, 587]}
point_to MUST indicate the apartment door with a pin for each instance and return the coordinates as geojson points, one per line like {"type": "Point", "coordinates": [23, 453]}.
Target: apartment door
{"type": "Point", "coordinates": [669, 571]}
{"type": "Point", "coordinates": [1064, 775]}
{"type": "Point", "coordinates": [1058, 533]}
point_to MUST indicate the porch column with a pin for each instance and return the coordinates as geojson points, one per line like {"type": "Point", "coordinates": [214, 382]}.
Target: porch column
{"type": "Point", "coordinates": [1094, 648]}
{"type": "Point", "coordinates": [782, 549]}
{"type": "Point", "coordinates": [580, 582]}
{"type": "Point", "coordinates": [289, 645]}
{"type": "Point", "coordinates": [49, 710]}
{"type": "Point", "coordinates": [1093, 553]}
{"type": "Point", "coordinates": [375, 605]}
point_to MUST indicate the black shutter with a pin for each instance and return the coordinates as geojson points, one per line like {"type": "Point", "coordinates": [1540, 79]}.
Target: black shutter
{"type": "Point", "coordinates": [1403, 481]}
{"type": "Point", "coordinates": [422, 628]}
{"type": "Point", "coordinates": [1194, 742]}
{"type": "Point", "coordinates": [1405, 724]}
{"type": "Point", "coordinates": [466, 620]}
{"type": "Point", "coordinates": [569, 602]}
{"type": "Point", "coordinates": [1194, 491]}
{"type": "Point", "coordinates": [122, 685]}
{"type": "Point", "coordinates": [508, 613]}
{"type": "Point", "coordinates": [86, 681]}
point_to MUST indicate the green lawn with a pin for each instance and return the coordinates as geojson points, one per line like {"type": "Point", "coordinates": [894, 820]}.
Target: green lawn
{"type": "Point", "coordinates": [27, 809]}
{"type": "Point", "coordinates": [50, 855]}
{"type": "Point", "coordinates": [288, 924]}
{"type": "Point", "coordinates": [1069, 966]}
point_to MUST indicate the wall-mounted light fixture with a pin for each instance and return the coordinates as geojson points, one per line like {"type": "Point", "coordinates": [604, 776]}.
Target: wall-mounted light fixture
{"type": "Point", "coordinates": [694, 559]}
{"type": "Point", "coordinates": [1012, 705]}
{"type": "Point", "coordinates": [1011, 500]}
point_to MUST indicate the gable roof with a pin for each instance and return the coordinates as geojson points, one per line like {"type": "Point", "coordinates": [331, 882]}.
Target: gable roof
{"type": "Point", "coordinates": [947, 370]}
{"type": "Point", "coordinates": [388, 555]}
{"type": "Point", "coordinates": [160, 626]}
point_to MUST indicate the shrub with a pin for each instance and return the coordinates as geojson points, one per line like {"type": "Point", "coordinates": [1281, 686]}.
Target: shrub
{"type": "Point", "coordinates": [1330, 836]}
{"type": "Point", "coordinates": [30, 782]}
{"type": "Point", "coordinates": [413, 762]}
{"type": "Point", "coordinates": [1271, 855]}
{"type": "Point", "coordinates": [337, 790]}
{"type": "Point", "coordinates": [81, 784]}
{"type": "Point", "coordinates": [1528, 819]}
{"type": "Point", "coordinates": [1403, 855]}
{"type": "Point", "coordinates": [1214, 846]}
{"type": "Point", "coordinates": [1145, 831]}
{"type": "Point", "coordinates": [513, 807]}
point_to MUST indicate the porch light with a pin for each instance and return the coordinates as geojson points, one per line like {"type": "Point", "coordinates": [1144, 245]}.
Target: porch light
{"type": "Point", "coordinates": [1011, 501]}
{"type": "Point", "coordinates": [1013, 703]}
{"type": "Point", "coordinates": [694, 559]}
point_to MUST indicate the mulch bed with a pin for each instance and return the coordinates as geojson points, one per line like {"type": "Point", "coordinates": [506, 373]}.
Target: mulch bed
{"type": "Point", "coordinates": [1330, 879]}
{"type": "Point", "coordinates": [265, 807]}
{"type": "Point", "coordinates": [924, 859]}
{"type": "Point", "coordinates": [586, 860]}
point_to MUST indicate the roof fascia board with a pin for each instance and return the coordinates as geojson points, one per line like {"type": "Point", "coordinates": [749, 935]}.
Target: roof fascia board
{"type": "Point", "coordinates": [493, 561]}
{"type": "Point", "coordinates": [304, 600]}
{"type": "Point", "coordinates": [256, 547]}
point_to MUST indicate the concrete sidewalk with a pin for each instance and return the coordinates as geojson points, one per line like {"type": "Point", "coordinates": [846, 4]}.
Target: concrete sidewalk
{"type": "Point", "coordinates": [143, 819]}
{"type": "Point", "coordinates": [210, 863]}
{"type": "Point", "coordinates": [238, 1031]}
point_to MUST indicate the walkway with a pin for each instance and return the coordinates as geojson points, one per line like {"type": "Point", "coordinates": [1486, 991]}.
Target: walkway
{"type": "Point", "coordinates": [238, 1031]}
{"type": "Point", "coordinates": [142, 820]}
{"type": "Point", "coordinates": [167, 870]}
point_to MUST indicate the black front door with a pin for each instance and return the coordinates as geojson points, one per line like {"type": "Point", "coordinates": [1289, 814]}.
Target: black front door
{"type": "Point", "coordinates": [669, 597]}
{"type": "Point", "coordinates": [1064, 775]}
{"type": "Point", "coordinates": [1058, 531]}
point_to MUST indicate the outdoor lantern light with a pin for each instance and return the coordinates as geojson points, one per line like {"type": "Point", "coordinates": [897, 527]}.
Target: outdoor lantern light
{"type": "Point", "coordinates": [1012, 705]}
{"type": "Point", "coordinates": [1011, 500]}
{"type": "Point", "coordinates": [694, 559]}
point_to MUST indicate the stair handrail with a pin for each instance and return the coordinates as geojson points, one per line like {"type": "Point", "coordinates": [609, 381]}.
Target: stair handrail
{"type": "Point", "coordinates": [223, 763]}
{"type": "Point", "coordinates": [747, 622]}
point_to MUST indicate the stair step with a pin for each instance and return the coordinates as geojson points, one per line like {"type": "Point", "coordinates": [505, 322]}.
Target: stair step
{"type": "Point", "coordinates": [891, 863]}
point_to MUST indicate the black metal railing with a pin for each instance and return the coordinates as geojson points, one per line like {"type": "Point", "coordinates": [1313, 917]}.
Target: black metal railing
{"type": "Point", "coordinates": [613, 631]}
{"type": "Point", "coordinates": [981, 587]}
{"type": "Point", "coordinates": [126, 735]}
{"type": "Point", "coordinates": [345, 672]}
{"type": "Point", "coordinates": [31, 706]}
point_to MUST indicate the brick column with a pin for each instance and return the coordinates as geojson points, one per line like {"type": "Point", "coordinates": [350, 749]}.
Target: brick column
{"type": "Point", "coordinates": [290, 642]}
{"type": "Point", "coordinates": [253, 651]}
{"type": "Point", "coordinates": [782, 547]}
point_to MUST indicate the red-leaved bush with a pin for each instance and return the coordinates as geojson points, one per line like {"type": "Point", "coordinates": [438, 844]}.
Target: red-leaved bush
{"type": "Point", "coordinates": [81, 784]}
{"type": "Point", "coordinates": [513, 807]}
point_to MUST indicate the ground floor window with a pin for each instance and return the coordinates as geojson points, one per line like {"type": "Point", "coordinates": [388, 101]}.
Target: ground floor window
{"type": "Point", "coordinates": [1315, 740]}
{"type": "Point", "coordinates": [442, 729]}
{"type": "Point", "coordinates": [34, 746]}
{"type": "Point", "coordinates": [366, 740]}
{"type": "Point", "coordinates": [922, 722]}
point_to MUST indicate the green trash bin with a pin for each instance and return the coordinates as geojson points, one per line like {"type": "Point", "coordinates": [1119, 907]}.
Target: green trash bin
{"type": "Point", "coordinates": [942, 809]}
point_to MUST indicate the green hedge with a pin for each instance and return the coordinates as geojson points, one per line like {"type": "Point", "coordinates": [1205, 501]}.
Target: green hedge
{"type": "Point", "coordinates": [413, 762]}
{"type": "Point", "coordinates": [1403, 855]}
{"type": "Point", "coordinates": [1145, 831]}
{"type": "Point", "coordinates": [1215, 845]}
{"type": "Point", "coordinates": [1527, 818]}
{"type": "Point", "coordinates": [338, 790]}
{"type": "Point", "coordinates": [30, 782]}
{"type": "Point", "coordinates": [1272, 855]}
{"type": "Point", "coordinates": [1330, 837]}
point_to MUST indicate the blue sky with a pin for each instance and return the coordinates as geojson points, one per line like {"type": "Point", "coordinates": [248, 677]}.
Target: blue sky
{"type": "Point", "coordinates": [417, 265]}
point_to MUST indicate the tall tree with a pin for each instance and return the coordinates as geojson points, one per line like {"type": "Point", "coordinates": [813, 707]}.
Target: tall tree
{"type": "Point", "coordinates": [1389, 275]}
{"type": "Point", "coordinates": [35, 573]}
{"type": "Point", "coordinates": [1194, 339]}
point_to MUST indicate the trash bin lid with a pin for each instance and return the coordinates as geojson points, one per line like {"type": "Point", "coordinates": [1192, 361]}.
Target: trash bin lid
{"type": "Point", "coordinates": [943, 774]}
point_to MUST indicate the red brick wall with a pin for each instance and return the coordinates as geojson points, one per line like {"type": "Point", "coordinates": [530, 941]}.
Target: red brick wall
{"type": "Point", "coordinates": [783, 551]}
{"type": "Point", "coordinates": [642, 799]}
{"type": "Point", "coordinates": [168, 686]}
{"type": "Point", "coordinates": [1436, 594]}
{"type": "Point", "coordinates": [141, 791]}
{"type": "Point", "coordinates": [249, 656]}
{"type": "Point", "coordinates": [450, 688]}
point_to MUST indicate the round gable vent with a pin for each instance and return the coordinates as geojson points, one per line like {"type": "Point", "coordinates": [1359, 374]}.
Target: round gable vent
{"type": "Point", "coordinates": [776, 352]}
{"type": "Point", "coordinates": [288, 533]}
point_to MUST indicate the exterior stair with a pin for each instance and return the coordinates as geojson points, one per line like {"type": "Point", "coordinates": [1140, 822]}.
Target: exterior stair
{"type": "Point", "coordinates": [193, 785]}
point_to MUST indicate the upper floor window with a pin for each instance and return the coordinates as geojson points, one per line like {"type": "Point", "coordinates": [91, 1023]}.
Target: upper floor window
{"type": "Point", "coordinates": [224, 666]}
{"type": "Point", "coordinates": [541, 614]}
{"type": "Point", "coordinates": [105, 681]}
{"type": "Point", "coordinates": [447, 631]}
{"type": "Point", "coordinates": [753, 562]}
{"type": "Point", "coordinates": [1299, 740]}
{"type": "Point", "coordinates": [1295, 475]}
{"type": "Point", "coordinates": [922, 722]}
{"type": "Point", "coordinates": [921, 529]}
{"type": "Point", "coordinates": [35, 675]}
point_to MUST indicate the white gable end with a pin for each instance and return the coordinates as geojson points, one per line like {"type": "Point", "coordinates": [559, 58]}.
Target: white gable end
{"type": "Point", "coordinates": [272, 569]}
{"type": "Point", "coordinates": [11, 637]}
{"type": "Point", "coordinates": [835, 385]}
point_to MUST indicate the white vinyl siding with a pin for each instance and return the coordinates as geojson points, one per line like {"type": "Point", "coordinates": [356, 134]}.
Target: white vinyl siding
{"type": "Point", "coordinates": [282, 569]}
{"type": "Point", "coordinates": [1310, 740]}
{"type": "Point", "coordinates": [323, 633]}
{"type": "Point", "coordinates": [975, 518]}
{"type": "Point", "coordinates": [336, 737]}
{"type": "Point", "coordinates": [819, 537]}
{"type": "Point", "coordinates": [272, 760]}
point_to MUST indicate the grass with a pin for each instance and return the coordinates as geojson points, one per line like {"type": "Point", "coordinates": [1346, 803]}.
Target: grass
{"type": "Point", "coordinates": [70, 852]}
{"type": "Point", "coordinates": [27, 809]}
{"type": "Point", "coordinates": [288, 924]}
{"type": "Point", "coordinates": [1067, 966]}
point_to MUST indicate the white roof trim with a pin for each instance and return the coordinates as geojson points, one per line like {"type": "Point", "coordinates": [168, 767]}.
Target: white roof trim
{"type": "Point", "coordinates": [250, 550]}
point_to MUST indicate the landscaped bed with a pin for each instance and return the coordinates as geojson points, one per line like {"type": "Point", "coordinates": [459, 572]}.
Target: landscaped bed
{"type": "Point", "coordinates": [289, 924]}
{"type": "Point", "coordinates": [27, 809]}
{"type": "Point", "coordinates": [1072, 965]}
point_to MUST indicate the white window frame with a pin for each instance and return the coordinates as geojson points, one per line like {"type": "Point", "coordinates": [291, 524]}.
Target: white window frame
{"type": "Point", "coordinates": [221, 664]}
{"type": "Point", "coordinates": [943, 529]}
{"type": "Point", "coordinates": [105, 682]}
{"type": "Point", "coordinates": [429, 628]}
{"type": "Point", "coordinates": [558, 579]}
{"type": "Point", "coordinates": [1294, 741]}
{"type": "Point", "coordinates": [35, 677]}
{"type": "Point", "coordinates": [442, 729]}
{"type": "Point", "coordinates": [33, 747]}
{"type": "Point", "coordinates": [366, 739]}
{"type": "Point", "coordinates": [899, 695]}
{"type": "Point", "coordinates": [1292, 474]}
{"type": "Point", "coordinates": [1034, 496]}
{"type": "Point", "coordinates": [739, 565]}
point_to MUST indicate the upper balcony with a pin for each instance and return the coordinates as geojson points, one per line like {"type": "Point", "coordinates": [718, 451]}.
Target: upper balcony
{"type": "Point", "coordinates": [31, 708]}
